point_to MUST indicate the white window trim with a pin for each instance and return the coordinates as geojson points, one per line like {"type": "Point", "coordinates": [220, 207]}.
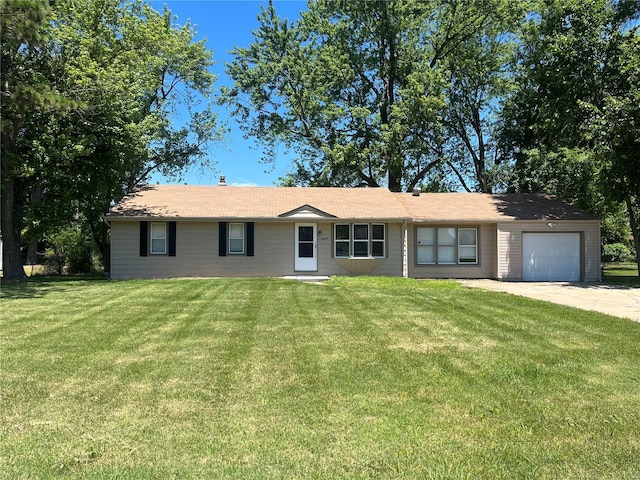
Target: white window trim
{"type": "Point", "coordinates": [457, 246]}
{"type": "Point", "coordinates": [236, 238]}
{"type": "Point", "coordinates": [351, 240]}
{"type": "Point", "coordinates": [162, 237]}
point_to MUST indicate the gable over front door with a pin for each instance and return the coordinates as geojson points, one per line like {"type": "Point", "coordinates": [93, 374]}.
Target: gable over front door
{"type": "Point", "coordinates": [306, 244]}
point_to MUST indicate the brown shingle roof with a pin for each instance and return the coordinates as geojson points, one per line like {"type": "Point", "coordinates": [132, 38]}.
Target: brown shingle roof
{"type": "Point", "coordinates": [489, 207]}
{"type": "Point", "coordinates": [180, 201]}
{"type": "Point", "coordinates": [227, 202]}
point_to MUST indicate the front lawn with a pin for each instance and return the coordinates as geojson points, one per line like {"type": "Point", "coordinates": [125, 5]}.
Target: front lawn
{"type": "Point", "coordinates": [625, 274]}
{"type": "Point", "coordinates": [352, 378]}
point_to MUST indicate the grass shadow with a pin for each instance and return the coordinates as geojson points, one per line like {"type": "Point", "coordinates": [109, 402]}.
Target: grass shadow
{"type": "Point", "coordinates": [622, 275]}
{"type": "Point", "coordinates": [39, 286]}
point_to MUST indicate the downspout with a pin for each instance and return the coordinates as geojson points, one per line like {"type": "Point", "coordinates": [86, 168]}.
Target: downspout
{"type": "Point", "coordinates": [600, 250]}
{"type": "Point", "coordinates": [405, 251]}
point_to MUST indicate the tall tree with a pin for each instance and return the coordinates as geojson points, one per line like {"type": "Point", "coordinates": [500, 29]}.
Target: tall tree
{"type": "Point", "coordinates": [134, 67]}
{"type": "Point", "coordinates": [615, 126]}
{"type": "Point", "coordinates": [572, 121]}
{"type": "Point", "coordinates": [27, 89]}
{"type": "Point", "coordinates": [124, 69]}
{"type": "Point", "coordinates": [360, 90]}
{"type": "Point", "coordinates": [478, 82]}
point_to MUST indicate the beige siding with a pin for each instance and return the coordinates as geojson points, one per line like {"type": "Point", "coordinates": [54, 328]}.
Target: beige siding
{"type": "Point", "coordinates": [197, 253]}
{"type": "Point", "coordinates": [392, 266]}
{"type": "Point", "coordinates": [510, 246]}
{"type": "Point", "coordinates": [486, 267]}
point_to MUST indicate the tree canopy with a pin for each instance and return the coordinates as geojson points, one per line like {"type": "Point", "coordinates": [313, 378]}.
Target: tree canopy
{"type": "Point", "coordinates": [378, 93]}
{"type": "Point", "coordinates": [476, 95]}
{"type": "Point", "coordinates": [573, 122]}
{"type": "Point", "coordinates": [118, 72]}
{"type": "Point", "coordinates": [27, 87]}
{"type": "Point", "coordinates": [538, 96]}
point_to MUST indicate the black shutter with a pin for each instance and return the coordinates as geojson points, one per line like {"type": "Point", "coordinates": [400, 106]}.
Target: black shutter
{"type": "Point", "coordinates": [222, 239]}
{"type": "Point", "coordinates": [250, 227]}
{"type": "Point", "coordinates": [144, 238]}
{"type": "Point", "coordinates": [172, 239]}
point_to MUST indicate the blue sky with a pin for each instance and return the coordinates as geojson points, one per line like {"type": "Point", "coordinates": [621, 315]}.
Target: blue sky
{"type": "Point", "coordinates": [226, 24]}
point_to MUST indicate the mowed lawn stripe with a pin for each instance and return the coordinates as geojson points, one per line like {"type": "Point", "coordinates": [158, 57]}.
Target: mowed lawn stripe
{"type": "Point", "coordinates": [352, 378]}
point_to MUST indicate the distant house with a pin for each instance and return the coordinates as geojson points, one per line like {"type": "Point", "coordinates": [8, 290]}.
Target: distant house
{"type": "Point", "coordinates": [224, 231]}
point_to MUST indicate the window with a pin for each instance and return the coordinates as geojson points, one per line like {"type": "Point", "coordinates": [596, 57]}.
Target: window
{"type": "Point", "coordinates": [305, 241]}
{"type": "Point", "coordinates": [236, 238]}
{"type": "Point", "coordinates": [158, 238]}
{"type": "Point", "coordinates": [359, 240]}
{"type": "Point", "coordinates": [342, 241]}
{"type": "Point", "coordinates": [426, 245]}
{"type": "Point", "coordinates": [377, 240]}
{"type": "Point", "coordinates": [467, 245]}
{"type": "Point", "coordinates": [447, 246]}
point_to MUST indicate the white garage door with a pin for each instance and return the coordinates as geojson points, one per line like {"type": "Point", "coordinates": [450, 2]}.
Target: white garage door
{"type": "Point", "coordinates": [551, 257]}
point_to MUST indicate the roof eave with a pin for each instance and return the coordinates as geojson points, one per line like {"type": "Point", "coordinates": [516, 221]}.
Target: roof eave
{"type": "Point", "coordinates": [129, 218]}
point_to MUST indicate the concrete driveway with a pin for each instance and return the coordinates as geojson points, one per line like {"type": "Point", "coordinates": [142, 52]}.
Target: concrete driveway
{"type": "Point", "coordinates": [618, 301]}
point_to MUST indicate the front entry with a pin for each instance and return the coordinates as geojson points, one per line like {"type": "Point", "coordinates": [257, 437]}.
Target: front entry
{"type": "Point", "coordinates": [306, 247]}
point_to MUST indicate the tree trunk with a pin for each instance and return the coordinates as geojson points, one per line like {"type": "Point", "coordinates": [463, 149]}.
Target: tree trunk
{"type": "Point", "coordinates": [388, 64]}
{"type": "Point", "coordinates": [394, 181]}
{"type": "Point", "coordinates": [32, 252]}
{"type": "Point", "coordinates": [106, 253]}
{"type": "Point", "coordinates": [100, 235]}
{"type": "Point", "coordinates": [35, 196]}
{"type": "Point", "coordinates": [635, 229]}
{"type": "Point", "coordinates": [11, 226]}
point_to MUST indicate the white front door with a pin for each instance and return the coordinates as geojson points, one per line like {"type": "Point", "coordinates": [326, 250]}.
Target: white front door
{"type": "Point", "coordinates": [306, 247]}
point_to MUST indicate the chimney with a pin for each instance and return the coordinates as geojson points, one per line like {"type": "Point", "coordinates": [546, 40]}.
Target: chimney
{"type": "Point", "coordinates": [416, 191]}
{"type": "Point", "coordinates": [223, 181]}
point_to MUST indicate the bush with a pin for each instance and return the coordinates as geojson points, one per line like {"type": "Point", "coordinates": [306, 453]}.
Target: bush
{"type": "Point", "coordinates": [69, 250]}
{"type": "Point", "coordinates": [53, 261]}
{"type": "Point", "coordinates": [617, 252]}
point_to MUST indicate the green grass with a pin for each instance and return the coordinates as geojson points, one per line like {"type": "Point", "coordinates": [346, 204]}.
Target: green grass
{"type": "Point", "coordinates": [353, 378]}
{"type": "Point", "coordinates": [625, 274]}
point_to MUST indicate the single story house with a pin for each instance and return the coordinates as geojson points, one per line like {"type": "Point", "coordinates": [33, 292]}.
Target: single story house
{"type": "Point", "coordinates": [224, 231]}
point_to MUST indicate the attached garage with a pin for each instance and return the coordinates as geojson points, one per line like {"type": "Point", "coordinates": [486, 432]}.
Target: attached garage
{"type": "Point", "coordinates": [551, 257]}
